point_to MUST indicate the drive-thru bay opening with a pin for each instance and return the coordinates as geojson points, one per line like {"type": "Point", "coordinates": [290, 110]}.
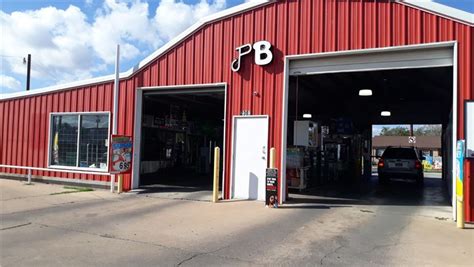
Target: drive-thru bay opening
{"type": "Point", "coordinates": [329, 133]}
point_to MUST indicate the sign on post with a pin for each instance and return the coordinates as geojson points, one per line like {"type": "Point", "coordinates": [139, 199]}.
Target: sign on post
{"type": "Point", "coordinates": [469, 126]}
{"type": "Point", "coordinates": [271, 188]}
{"type": "Point", "coordinates": [411, 139]}
{"type": "Point", "coordinates": [459, 183]}
{"type": "Point", "coordinates": [121, 154]}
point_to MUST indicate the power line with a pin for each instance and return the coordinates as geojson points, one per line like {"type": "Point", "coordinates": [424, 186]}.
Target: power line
{"type": "Point", "coordinates": [43, 68]}
{"type": "Point", "coordinates": [11, 56]}
{"type": "Point", "coordinates": [38, 65]}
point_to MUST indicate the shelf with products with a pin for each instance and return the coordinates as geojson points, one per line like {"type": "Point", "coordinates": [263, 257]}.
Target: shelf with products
{"type": "Point", "coordinates": [297, 167]}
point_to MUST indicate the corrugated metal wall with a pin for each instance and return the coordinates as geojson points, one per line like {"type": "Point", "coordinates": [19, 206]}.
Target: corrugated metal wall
{"type": "Point", "coordinates": [293, 27]}
{"type": "Point", "coordinates": [24, 126]}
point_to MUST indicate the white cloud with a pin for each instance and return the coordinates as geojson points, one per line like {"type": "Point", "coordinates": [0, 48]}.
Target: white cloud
{"type": "Point", "coordinates": [9, 84]}
{"type": "Point", "coordinates": [57, 40]}
{"type": "Point", "coordinates": [66, 45]}
{"type": "Point", "coordinates": [125, 23]}
{"type": "Point", "coordinates": [173, 17]}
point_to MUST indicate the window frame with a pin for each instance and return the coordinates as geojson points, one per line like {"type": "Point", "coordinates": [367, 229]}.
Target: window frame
{"type": "Point", "coordinates": [79, 114]}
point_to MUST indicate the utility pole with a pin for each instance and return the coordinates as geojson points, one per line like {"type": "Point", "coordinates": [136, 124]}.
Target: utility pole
{"type": "Point", "coordinates": [28, 70]}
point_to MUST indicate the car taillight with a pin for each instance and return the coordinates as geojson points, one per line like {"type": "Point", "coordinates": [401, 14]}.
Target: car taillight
{"type": "Point", "coordinates": [417, 164]}
{"type": "Point", "coordinates": [381, 164]}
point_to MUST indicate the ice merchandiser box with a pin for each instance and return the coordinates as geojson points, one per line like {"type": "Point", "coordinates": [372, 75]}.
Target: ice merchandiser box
{"type": "Point", "coordinates": [305, 133]}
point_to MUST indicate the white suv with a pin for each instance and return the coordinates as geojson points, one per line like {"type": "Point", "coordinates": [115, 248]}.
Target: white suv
{"type": "Point", "coordinates": [400, 162]}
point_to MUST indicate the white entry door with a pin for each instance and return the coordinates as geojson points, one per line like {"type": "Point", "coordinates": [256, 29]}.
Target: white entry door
{"type": "Point", "coordinates": [250, 139]}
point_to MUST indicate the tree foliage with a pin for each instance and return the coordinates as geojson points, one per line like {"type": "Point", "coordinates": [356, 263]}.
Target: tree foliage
{"type": "Point", "coordinates": [429, 130]}
{"type": "Point", "coordinates": [425, 130]}
{"type": "Point", "coordinates": [394, 131]}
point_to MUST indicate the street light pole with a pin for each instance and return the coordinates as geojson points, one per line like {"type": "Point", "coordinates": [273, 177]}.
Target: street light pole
{"type": "Point", "coordinates": [28, 70]}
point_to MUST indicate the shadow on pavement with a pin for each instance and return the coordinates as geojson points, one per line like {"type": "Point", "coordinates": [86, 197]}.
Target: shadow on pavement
{"type": "Point", "coordinates": [298, 206]}
{"type": "Point", "coordinates": [169, 189]}
{"type": "Point", "coordinates": [397, 192]}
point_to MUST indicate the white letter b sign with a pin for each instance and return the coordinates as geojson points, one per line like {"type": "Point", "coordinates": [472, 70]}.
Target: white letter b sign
{"type": "Point", "coordinates": [263, 55]}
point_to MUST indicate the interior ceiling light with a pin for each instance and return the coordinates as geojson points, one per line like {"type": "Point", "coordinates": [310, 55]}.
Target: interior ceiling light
{"type": "Point", "coordinates": [365, 92]}
{"type": "Point", "coordinates": [307, 116]}
{"type": "Point", "coordinates": [385, 113]}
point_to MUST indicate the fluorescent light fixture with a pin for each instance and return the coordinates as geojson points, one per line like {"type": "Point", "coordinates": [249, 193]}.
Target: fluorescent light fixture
{"type": "Point", "coordinates": [307, 116]}
{"type": "Point", "coordinates": [385, 113]}
{"type": "Point", "coordinates": [365, 92]}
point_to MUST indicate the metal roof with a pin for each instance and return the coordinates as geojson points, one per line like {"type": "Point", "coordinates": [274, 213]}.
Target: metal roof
{"type": "Point", "coordinates": [431, 7]}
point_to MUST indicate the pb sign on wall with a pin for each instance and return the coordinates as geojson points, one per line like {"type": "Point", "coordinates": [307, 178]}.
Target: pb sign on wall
{"type": "Point", "coordinates": [121, 154]}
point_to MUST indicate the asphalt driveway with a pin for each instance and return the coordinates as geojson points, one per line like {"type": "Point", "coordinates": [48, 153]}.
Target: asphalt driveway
{"type": "Point", "coordinates": [44, 225]}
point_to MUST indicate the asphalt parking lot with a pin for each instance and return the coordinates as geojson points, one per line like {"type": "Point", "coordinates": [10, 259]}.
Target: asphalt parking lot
{"type": "Point", "coordinates": [45, 225]}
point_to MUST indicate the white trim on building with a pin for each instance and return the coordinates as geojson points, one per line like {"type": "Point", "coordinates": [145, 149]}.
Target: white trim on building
{"type": "Point", "coordinates": [317, 59]}
{"type": "Point", "coordinates": [441, 10]}
{"type": "Point", "coordinates": [431, 7]}
{"type": "Point", "coordinates": [162, 50]}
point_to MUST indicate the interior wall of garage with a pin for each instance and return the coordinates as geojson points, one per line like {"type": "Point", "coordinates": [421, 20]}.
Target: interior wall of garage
{"type": "Point", "coordinates": [292, 27]}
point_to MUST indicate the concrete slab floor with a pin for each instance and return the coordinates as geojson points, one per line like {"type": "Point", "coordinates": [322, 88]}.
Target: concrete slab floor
{"type": "Point", "coordinates": [102, 229]}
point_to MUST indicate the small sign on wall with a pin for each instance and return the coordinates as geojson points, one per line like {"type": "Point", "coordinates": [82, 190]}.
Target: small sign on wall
{"type": "Point", "coordinates": [121, 156]}
{"type": "Point", "coordinates": [469, 126]}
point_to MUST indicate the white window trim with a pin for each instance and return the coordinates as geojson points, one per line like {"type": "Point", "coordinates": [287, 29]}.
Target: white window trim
{"type": "Point", "coordinates": [93, 170]}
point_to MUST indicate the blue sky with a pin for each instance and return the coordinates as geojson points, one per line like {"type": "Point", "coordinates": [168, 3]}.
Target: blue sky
{"type": "Point", "coordinates": [74, 40]}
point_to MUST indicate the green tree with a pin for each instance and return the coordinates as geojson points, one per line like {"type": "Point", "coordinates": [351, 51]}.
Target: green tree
{"type": "Point", "coordinates": [394, 131]}
{"type": "Point", "coordinates": [429, 130]}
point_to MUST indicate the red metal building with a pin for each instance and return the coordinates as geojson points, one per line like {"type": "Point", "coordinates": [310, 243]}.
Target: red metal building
{"type": "Point", "coordinates": [203, 55]}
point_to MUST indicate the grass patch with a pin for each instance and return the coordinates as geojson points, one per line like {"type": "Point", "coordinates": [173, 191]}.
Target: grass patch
{"type": "Point", "coordinates": [73, 189]}
{"type": "Point", "coordinates": [79, 189]}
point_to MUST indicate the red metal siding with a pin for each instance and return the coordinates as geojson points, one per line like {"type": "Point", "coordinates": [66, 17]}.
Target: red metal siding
{"type": "Point", "coordinates": [24, 126]}
{"type": "Point", "coordinates": [293, 27]}
{"type": "Point", "coordinates": [469, 83]}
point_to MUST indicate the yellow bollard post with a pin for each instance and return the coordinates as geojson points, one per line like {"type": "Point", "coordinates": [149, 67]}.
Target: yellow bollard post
{"type": "Point", "coordinates": [460, 214]}
{"type": "Point", "coordinates": [459, 200]}
{"type": "Point", "coordinates": [120, 183]}
{"type": "Point", "coordinates": [215, 190]}
{"type": "Point", "coordinates": [272, 158]}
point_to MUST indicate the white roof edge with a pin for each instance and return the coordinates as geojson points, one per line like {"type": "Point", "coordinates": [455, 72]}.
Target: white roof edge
{"type": "Point", "coordinates": [165, 48]}
{"type": "Point", "coordinates": [441, 10]}
{"type": "Point", "coordinates": [58, 87]}
{"type": "Point", "coordinates": [432, 7]}
{"type": "Point", "coordinates": [220, 15]}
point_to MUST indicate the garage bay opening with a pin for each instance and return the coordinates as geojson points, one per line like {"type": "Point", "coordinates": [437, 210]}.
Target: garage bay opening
{"type": "Point", "coordinates": [330, 150]}
{"type": "Point", "coordinates": [180, 129]}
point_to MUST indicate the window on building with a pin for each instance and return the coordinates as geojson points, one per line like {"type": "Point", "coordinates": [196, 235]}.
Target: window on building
{"type": "Point", "coordinates": [79, 140]}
